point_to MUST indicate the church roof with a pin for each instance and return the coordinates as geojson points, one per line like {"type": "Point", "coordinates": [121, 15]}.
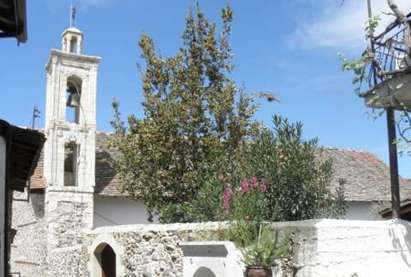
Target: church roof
{"type": "Point", "coordinates": [366, 177]}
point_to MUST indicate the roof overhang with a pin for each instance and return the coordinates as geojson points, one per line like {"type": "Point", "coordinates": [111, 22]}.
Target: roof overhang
{"type": "Point", "coordinates": [394, 92]}
{"type": "Point", "coordinates": [405, 210]}
{"type": "Point", "coordinates": [23, 148]}
{"type": "Point", "coordinates": [13, 22]}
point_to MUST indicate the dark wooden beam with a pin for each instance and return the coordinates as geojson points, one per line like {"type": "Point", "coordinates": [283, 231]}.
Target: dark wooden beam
{"type": "Point", "coordinates": [392, 151]}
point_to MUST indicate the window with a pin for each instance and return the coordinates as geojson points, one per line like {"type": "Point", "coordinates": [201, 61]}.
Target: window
{"type": "Point", "coordinates": [71, 153]}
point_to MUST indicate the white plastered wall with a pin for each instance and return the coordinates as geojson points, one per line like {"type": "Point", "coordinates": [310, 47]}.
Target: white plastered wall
{"type": "Point", "coordinates": [119, 211]}
{"type": "Point", "coordinates": [198, 266]}
{"type": "Point", "coordinates": [362, 210]}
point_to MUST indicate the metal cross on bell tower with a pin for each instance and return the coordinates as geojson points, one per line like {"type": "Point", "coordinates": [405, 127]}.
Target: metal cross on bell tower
{"type": "Point", "coordinates": [72, 15]}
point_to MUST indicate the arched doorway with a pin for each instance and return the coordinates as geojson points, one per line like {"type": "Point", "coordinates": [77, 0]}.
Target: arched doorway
{"type": "Point", "coordinates": [106, 258]}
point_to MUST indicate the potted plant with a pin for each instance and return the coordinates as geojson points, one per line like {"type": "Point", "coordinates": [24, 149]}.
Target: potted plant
{"type": "Point", "coordinates": [260, 255]}
{"type": "Point", "coordinates": [259, 244]}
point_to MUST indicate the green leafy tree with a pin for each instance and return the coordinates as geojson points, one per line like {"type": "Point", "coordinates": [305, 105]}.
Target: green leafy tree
{"type": "Point", "coordinates": [290, 181]}
{"type": "Point", "coordinates": [197, 138]}
{"type": "Point", "coordinates": [195, 118]}
{"type": "Point", "coordinates": [289, 176]}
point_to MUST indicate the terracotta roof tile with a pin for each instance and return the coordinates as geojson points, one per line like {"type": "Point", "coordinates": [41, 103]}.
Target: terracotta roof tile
{"type": "Point", "coordinates": [37, 180]}
{"type": "Point", "coordinates": [107, 181]}
{"type": "Point", "coordinates": [367, 177]}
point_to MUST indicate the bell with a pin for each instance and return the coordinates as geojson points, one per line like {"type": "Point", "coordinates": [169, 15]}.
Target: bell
{"type": "Point", "coordinates": [73, 99]}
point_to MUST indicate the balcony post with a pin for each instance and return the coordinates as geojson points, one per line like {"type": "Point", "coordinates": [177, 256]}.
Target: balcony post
{"type": "Point", "coordinates": [392, 150]}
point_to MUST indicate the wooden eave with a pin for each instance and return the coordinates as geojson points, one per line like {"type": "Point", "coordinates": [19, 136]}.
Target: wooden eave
{"type": "Point", "coordinates": [23, 147]}
{"type": "Point", "coordinates": [13, 21]}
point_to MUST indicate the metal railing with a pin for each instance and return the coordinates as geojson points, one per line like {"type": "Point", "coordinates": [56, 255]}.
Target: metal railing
{"type": "Point", "coordinates": [390, 54]}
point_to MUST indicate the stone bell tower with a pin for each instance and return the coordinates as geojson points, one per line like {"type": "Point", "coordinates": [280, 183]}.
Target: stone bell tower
{"type": "Point", "coordinates": [69, 154]}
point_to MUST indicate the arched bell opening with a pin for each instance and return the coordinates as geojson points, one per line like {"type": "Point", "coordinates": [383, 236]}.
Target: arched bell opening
{"type": "Point", "coordinates": [74, 45]}
{"type": "Point", "coordinates": [71, 159]}
{"type": "Point", "coordinates": [73, 99]}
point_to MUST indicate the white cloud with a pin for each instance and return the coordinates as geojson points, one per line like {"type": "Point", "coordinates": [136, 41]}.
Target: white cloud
{"type": "Point", "coordinates": [341, 26]}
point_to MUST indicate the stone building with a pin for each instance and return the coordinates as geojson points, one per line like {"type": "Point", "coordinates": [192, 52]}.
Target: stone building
{"type": "Point", "coordinates": [74, 221]}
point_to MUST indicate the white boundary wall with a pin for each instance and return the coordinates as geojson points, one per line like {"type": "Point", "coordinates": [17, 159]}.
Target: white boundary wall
{"type": "Point", "coordinates": [353, 248]}
{"type": "Point", "coordinates": [325, 248]}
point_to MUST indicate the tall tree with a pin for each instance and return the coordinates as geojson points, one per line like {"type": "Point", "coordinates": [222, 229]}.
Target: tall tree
{"type": "Point", "coordinates": [194, 114]}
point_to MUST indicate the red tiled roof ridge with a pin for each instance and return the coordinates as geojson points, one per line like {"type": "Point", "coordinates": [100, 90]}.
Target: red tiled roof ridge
{"type": "Point", "coordinates": [347, 149]}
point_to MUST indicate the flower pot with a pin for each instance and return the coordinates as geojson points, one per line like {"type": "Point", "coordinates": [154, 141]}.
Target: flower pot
{"type": "Point", "coordinates": [258, 271]}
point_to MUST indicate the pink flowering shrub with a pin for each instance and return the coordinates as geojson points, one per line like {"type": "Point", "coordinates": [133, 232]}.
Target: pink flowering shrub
{"type": "Point", "coordinates": [247, 202]}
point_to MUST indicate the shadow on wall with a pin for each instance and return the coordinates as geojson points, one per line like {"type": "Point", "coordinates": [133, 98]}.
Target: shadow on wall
{"type": "Point", "coordinates": [37, 203]}
{"type": "Point", "coordinates": [401, 239]}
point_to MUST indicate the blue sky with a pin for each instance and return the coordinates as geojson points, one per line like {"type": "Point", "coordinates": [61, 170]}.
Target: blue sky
{"type": "Point", "coordinates": [288, 47]}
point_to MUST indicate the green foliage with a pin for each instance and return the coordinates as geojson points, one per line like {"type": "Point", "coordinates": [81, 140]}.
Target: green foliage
{"type": "Point", "coordinates": [359, 65]}
{"type": "Point", "coordinates": [248, 202]}
{"type": "Point", "coordinates": [197, 139]}
{"type": "Point", "coordinates": [266, 247]}
{"type": "Point", "coordinates": [297, 179]}
{"type": "Point", "coordinates": [259, 243]}
{"type": "Point", "coordinates": [194, 114]}
{"type": "Point", "coordinates": [290, 182]}
{"type": "Point", "coordinates": [371, 25]}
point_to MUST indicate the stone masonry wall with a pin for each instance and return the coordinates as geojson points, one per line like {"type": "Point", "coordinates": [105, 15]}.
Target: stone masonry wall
{"type": "Point", "coordinates": [146, 250]}
{"type": "Point", "coordinates": [151, 254]}
{"type": "Point", "coordinates": [69, 214]}
{"type": "Point", "coordinates": [28, 250]}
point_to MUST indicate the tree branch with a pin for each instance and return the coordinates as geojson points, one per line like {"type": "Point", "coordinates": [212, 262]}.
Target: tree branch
{"type": "Point", "coordinates": [399, 14]}
{"type": "Point", "coordinates": [402, 18]}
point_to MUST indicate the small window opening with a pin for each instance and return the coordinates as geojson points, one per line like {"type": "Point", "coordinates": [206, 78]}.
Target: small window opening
{"type": "Point", "coordinates": [73, 45]}
{"type": "Point", "coordinates": [71, 153]}
{"type": "Point", "coordinates": [73, 100]}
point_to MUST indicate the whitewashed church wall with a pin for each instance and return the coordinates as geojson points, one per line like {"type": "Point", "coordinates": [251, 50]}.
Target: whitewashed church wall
{"type": "Point", "coordinates": [358, 210]}
{"type": "Point", "coordinates": [119, 211]}
{"type": "Point", "coordinates": [28, 250]}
